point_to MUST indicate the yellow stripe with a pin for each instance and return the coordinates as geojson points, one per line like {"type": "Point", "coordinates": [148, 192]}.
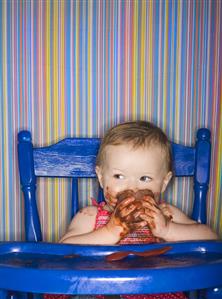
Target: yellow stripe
{"type": "Point", "coordinates": [142, 59]}
{"type": "Point", "coordinates": [89, 96]}
{"type": "Point", "coordinates": [178, 68]}
{"type": "Point", "coordinates": [47, 70]}
{"type": "Point", "coordinates": [78, 100]}
{"type": "Point", "coordinates": [150, 77]}
{"type": "Point", "coordinates": [165, 67]}
{"type": "Point", "coordinates": [5, 116]}
{"type": "Point", "coordinates": [134, 57]}
{"type": "Point", "coordinates": [55, 68]}
{"type": "Point", "coordinates": [62, 77]}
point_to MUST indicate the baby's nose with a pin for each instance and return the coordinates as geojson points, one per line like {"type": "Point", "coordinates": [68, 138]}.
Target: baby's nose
{"type": "Point", "coordinates": [133, 185]}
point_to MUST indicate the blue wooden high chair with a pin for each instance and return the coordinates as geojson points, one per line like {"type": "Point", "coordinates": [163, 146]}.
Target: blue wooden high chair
{"type": "Point", "coordinates": [39, 267]}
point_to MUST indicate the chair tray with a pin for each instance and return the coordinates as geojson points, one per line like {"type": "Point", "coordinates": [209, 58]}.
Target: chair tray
{"type": "Point", "coordinates": [81, 269]}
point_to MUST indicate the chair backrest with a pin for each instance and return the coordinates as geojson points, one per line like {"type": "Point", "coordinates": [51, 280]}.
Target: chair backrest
{"type": "Point", "coordinates": [76, 157]}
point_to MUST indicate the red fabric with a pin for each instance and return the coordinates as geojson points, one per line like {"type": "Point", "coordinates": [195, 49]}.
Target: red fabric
{"type": "Point", "coordinates": [178, 295]}
{"type": "Point", "coordinates": [140, 236]}
{"type": "Point", "coordinates": [56, 296]}
{"type": "Point", "coordinates": [152, 296]}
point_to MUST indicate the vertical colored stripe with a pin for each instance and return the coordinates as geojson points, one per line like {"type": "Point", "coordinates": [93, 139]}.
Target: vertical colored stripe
{"type": "Point", "coordinates": [78, 67]}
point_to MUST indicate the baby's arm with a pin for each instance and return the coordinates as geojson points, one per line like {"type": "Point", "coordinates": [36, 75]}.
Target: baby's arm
{"type": "Point", "coordinates": [192, 231]}
{"type": "Point", "coordinates": [189, 229]}
{"type": "Point", "coordinates": [81, 230]}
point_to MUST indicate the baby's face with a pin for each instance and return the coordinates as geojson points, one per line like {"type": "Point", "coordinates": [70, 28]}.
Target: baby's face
{"type": "Point", "coordinates": [126, 168]}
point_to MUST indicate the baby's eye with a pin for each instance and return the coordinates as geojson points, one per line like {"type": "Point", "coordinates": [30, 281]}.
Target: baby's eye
{"type": "Point", "coordinates": [145, 178]}
{"type": "Point", "coordinates": [118, 176]}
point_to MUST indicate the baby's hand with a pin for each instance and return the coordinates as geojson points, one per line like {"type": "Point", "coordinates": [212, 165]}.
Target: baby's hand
{"type": "Point", "coordinates": [157, 221]}
{"type": "Point", "coordinates": [125, 217]}
{"type": "Point", "coordinates": [175, 214]}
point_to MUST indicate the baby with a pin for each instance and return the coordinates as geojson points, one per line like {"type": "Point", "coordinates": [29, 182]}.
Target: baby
{"type": "Point", "coordinates": [134, 156]}
{"type": "Point", "coordinates": [134, 166]}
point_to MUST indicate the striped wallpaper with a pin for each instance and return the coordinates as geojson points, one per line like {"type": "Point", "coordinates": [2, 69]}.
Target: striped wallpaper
{"type": "Point", "coordinates": [77, 67]}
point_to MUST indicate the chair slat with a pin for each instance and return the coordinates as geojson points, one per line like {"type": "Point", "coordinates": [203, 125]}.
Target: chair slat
{"type": "Point", "coordinates": [71, 157]}
{"type": "Point", "coordinates": [183, 160]}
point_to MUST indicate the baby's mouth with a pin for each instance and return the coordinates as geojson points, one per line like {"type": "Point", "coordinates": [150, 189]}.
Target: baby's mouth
{"type": "Point", "coordinates": [138, 195]}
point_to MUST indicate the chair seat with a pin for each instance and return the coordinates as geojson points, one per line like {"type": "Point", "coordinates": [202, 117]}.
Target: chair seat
{"type": "Point", "coordinates": [77, 269]}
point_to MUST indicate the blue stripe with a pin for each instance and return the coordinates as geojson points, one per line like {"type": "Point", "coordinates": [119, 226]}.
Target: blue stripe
{"type": "Point", "coordinates": [94, 68]}
{"type": "Point", "coordinates": [67, 67]}
{"type": "Point", "coordinates": [183, 66]}
{"type": "Point", "coordinates": [81, 42]}
{"type": "Point", "coordinates": [138, 51]}
{"type": "Point", "coordinates": [3, 197]}
{"type": "Point", "coordinates": [155, 58]}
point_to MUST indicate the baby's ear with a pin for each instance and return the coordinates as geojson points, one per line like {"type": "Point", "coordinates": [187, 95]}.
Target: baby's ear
{"type": "Point", "coordinates": [99, 175]}
{"type": "Point", "coordinates": [166, 180]}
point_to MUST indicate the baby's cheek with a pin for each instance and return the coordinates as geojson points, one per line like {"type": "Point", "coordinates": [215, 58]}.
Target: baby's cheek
{"type": "Point", "coordinates": [112, 190]}
{"type": "Point", "coordinates": [110, 196]}
{"type": "Point", "coordinates": [109, 192]}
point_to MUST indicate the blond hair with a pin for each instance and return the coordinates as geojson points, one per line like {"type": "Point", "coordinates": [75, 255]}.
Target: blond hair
{"type": "Point", "coordinates": [137, 134]}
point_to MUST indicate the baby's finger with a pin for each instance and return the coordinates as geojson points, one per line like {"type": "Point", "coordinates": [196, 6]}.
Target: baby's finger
{"type": "Point", "coordinates": [147, 217]}
{"type": "Point", "coordinates": [163, 207]}
{"type": "Point", "coordinates": [132, 217]}
{"type": "Point", "coordinates": [166, 211]}
{"type": "Point", "coordinates": [126, 211]}
{"type": "Point", "coordinates": [149, 200]}
{"type": "Point", "coordinates": [137, 225]}
{"type": "Point", "coordinates": [150, 221]}
{"type": "Point", "coordinates": [137, 213]}
{"type": "Point", "coordinates": [150, 208]}
{"type": "Point", "coordinates": [125, 202]}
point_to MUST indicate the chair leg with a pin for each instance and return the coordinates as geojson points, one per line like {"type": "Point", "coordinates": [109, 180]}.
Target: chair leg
{"type": "Point", "coordinates": [193, 295]}
{"type": "Point", "coordinates": [18, 295]}
{"type": "Point", "coordinates": [37, 296]}
{"type": "Point", "coordinates": [199, 295]}
{"type": "Point", "coordinates": [215, 293]}
{"type": "Point", "coordinates": [22, 296]}
{"type": "Point", "coordinates": [3, 294]}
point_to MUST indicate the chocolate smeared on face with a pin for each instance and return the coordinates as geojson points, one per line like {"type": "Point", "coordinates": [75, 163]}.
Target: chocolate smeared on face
{"type": "Point", "coordinates": [111, 199]}
{"type": "Point", "coordinates": [130, 207]}
{"type": "Point", "coordinates": [138, 195]}
{"type": "Point", "coordinates": [136, 206]}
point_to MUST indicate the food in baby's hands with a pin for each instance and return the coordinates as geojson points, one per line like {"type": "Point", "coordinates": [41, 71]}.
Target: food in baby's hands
{"type": "Point", "coordinates": [130, 207]}
{"type": "Point", "coordinates": [136, 206]}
